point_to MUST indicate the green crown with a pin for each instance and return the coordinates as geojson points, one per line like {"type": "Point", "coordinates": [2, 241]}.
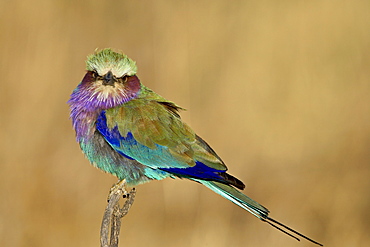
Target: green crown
{"type": "Point", "coordinates": [107, 60]}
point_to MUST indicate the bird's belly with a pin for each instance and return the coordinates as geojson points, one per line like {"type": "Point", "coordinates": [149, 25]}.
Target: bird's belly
{"type": "Point", "coordinates": [103, 156]}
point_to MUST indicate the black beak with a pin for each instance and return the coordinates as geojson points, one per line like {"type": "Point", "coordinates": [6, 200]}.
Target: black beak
{"type": "Point", "coordinates": [108, 79]}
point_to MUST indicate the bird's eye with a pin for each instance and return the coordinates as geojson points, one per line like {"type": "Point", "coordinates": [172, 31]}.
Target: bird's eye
{"type": "Point", "coordinates": [123, 79]}
{"type": "Point", "coordinates": [94, 74]}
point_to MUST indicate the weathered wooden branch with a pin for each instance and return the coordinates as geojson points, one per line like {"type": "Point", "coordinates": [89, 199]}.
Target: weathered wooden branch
{"type": "Point", "coordinates": [114, 213]}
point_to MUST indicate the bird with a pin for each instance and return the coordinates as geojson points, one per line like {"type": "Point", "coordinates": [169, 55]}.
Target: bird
{"type": "Point", "coordinates": [126, 129]}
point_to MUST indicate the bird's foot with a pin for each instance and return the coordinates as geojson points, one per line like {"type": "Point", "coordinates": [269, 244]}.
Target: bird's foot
{"type": "Point", "coordinates": [118, 188]}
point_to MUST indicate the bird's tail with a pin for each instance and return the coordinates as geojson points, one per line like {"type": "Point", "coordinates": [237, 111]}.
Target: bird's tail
{"type": "Point", "coordinates": [251, 206]}
{"type": "Point", "coordinates": [237, 197]}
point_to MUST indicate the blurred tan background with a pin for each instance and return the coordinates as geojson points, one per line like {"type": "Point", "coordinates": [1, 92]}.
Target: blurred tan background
{"type": "Point", "coordinates": [280, 89]}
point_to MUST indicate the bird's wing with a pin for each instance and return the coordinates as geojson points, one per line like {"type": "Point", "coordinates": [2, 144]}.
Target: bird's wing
{"type": "Point", "coordinates": [153, 133]}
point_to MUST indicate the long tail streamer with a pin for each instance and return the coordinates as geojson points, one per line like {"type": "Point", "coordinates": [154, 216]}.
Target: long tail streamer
{"type": "Point", "coordinates": [253, 207]}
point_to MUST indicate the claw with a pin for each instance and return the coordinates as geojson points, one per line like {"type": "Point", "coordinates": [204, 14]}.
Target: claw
{"type": "Point", "coordinates": [118, 188]}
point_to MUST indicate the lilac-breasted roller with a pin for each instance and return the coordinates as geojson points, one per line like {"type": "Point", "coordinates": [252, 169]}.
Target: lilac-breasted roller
{"type": "Point", "coordinates": [126, 129]}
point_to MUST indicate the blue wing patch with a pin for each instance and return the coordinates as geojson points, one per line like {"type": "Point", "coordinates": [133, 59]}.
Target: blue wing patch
{"type": "Point", "coordinates": [156, 159]}
{"type": "Point", "coordinates": [200, 170]}
{"type": "Point", "coordinates": [112, 136]}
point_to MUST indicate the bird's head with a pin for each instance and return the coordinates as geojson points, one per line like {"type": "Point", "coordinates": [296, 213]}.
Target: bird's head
{"type": "Point", "coordinates": [105, 61]}
{"type": "Point", "coordinates": [110, 80]}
